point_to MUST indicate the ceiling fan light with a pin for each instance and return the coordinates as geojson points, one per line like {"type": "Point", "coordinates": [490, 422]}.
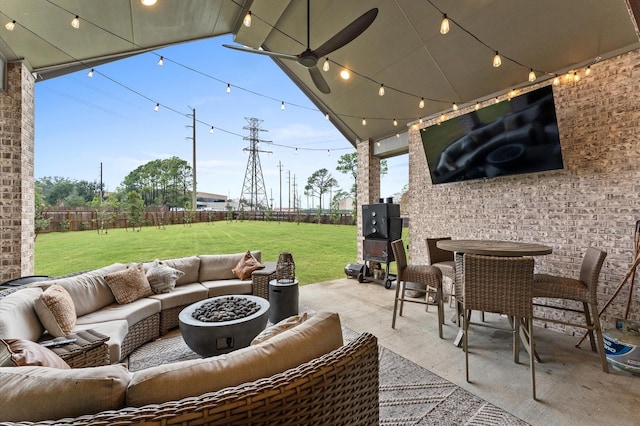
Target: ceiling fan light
{"type": "Point", "coordinates": [10, 25]}
{"type": "Point", "coordinates": [345, 74]}
{"type": "Point", "coordinates": [247, 20]}
{"type": "Point", "coordinates": [75, 22]}
{"type": "Point", "coordinates": [325, 66]}
{"type": "Point", "coordinates": [532, 75]}
{"type": "Point", "coordinates": [444, 25]}
{"type": "Point", "coordinates": [421, 103]}
{"type": "Point", "coordinates": [497, 60]}
{"type": "Point", "coordinates": [381, 90]}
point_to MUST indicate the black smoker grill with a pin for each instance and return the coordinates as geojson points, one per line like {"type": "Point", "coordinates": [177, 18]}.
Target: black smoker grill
{"type": "Point", "coordinates": [381, 224]}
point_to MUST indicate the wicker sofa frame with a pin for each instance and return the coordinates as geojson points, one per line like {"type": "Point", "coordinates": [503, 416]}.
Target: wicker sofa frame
{"type": "Point", "coordinates": [338, 388]}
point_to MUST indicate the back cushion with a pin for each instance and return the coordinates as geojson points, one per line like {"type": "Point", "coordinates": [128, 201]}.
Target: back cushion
{"type": "Point", "coordinates": [218, 266]}
{"type": "Point", "coordinates": [313, 338]}
{"type": "Point", "coordinates": [89, 291]}
{"type": "Point", "coordinates": [43, 393]}
{"type": "Point", "coordinates": [18, 317]}
{"type": "Point", "coordinates": [188, 265]}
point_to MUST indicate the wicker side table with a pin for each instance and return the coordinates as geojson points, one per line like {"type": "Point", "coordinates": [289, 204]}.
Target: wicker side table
{"type": "Point", "coordinates": [89, 350]}
{"type": "Point", "coordinates": [260, 279]}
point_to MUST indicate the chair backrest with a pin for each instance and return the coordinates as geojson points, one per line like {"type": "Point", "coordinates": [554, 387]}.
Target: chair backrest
{"type": "Point", "coordinates": [590, 268]}
{"type": "Point", "coordinates": [436, 254]}
{"type": "Point", "coordinates": [498, 284]}
{"type": "Point", "coordinates": [401, 257]}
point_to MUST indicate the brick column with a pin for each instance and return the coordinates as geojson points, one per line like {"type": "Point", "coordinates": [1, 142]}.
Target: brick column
{"type": "Point", "coordinates": [368, 183]}
{"type": "Point", "coordinates": [17, 203]}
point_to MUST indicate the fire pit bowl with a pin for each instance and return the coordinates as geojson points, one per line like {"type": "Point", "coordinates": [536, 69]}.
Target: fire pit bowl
{"type": "Point", "coordinates": [217, 335]}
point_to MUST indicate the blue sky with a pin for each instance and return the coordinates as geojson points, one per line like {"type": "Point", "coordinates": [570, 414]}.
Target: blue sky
{"type": "Point", "coordinates": [82, 122]}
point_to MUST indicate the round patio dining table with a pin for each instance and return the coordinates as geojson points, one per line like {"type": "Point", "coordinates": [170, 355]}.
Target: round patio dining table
{"type": "Point", "coordinates": [494, 247]}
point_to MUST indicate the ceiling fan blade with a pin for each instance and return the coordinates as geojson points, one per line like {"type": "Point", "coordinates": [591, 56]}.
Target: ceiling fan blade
{"type": "Point", "coordinates": [319, 80]}
{"type": "Point", "coordinates": [348, 33]}
{"type": "Point", "coordinates": [262, 52]}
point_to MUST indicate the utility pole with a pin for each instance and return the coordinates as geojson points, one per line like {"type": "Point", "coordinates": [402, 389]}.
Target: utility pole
{"type": "Point", "coordinates": [280, 168]}
{"type": "Point", "coordinates": [253, 184]}
{"type": "Point", "coordinates": [193, 165]}
{"type": "Point", "coordinates": [101, 193]}
{"type": "Point", "coordinates": [289, 182]}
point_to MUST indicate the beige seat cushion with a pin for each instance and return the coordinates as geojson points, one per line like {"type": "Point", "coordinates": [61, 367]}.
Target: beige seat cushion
{"type": "Point", "coordinates": [129, 285]}
{"type": "Point", "coordinates": [225, 287]}
{"type": "Point", "coordinates": [116, 330]}
{"type": "Point", "coordinates": [18, 318]}
{"type": "Point", "coordinates": [315, 337]}
{"type": "Point", "coordinates": [182, 295]}
{"type": "Point", "coordinates": [43, 393]}
{"type": "Point", "coordinates": [133, 312]}
{"type": "Point", "coordinates": [56, 311]}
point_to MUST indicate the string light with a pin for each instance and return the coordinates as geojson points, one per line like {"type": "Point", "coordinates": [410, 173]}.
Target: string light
{"type": "Point", "coordinates": [395, 122]}
{"type": "Point", "coordinates": [477, 107]}
{"type": "Point", "coordinates": [161, 61]}
{"type": "Point", "coordinates": [556, 80]}
{"type": "Point", "coordinates": [329, 153]}
{"type": "Point", "coordinates": [364, 121]}
{"type": "Point", "coordinates": [532, 75]}
{"type": "Point", "coordinates": [211, 131]}
{"type": "Point", "coordinates": [10, 25]}
{"type": "Point", "coordinates": [247, 20]}
{"type": "Point", "coordinates": [444, 26]}
{"type": "Point", "coordinates": [326, 116]}
{"type": "Point", "coordinates": [587, 72]}
{"type": "Point", "coordinates": [228, 88]}
{"type": "Point", "coordinates": [325, 66]}
{"type": "Point", "coordinates": [576, 76]}
{"type": "Point", "coordinates": [421, 103]}
{"type": "Point", "coordinates": [296, 151]}
{"type": "Point", "coordinates": [90, 73]}
{"type": "Point", "coordinates": [497, 100]}
{"type": "Point", "coordinates": [282, 106]}
{"type": "Point", "coordinates": [455, 106]}
{"type": "Point", "coordinates": [381, 90]}
{"type": "Point", "coordinates": [345, 74]}
{"type": "Point", "coordinates": [397, 135]}
{"type": "Point", "coordinates": [75, 22]}
{"type": "Point", "coordinates": [497, 61]}
{"type": "Point", "coordinates": [155, 109]}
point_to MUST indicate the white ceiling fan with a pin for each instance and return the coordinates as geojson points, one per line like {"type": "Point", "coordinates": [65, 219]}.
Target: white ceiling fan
{"type": "Point", "coordinates": [309, 58]}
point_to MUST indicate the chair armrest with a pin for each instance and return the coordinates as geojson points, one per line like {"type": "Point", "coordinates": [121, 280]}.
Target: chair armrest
{"type": "Point", "coordinates": [260, 280]}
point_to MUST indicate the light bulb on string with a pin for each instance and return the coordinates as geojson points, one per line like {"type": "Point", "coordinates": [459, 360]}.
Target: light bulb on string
{"type": "Point", "coordinates": [576, 76]}
{"type": "Point", "coordinates": [10, 25]}
{"type": "Point", "coordinates": [497, 100]}
{"type": "Point", "coordinates": [326, 116]}
{"type": "Point", "coordinates": [90, 73]}
{"type": "Point", "coordinates": [247, 19]}
{"type": "Point", "coordinates": [397, 135]}
{"type": "Point", "coordinates": [325, 65]}
{"type": "Point", "coordinates": [395, 122]}
{"type": "Point", "coordinates": [282, 106]}
{"type": "Point", "coordinates": [228, 88]}
{"type": "Point", "coordinates": [532, 75]}
{"type": "Point", "coordinates": [477, 107]}
{"type": "Point", "coordinates": [155, 108]}
{"type": "Point", "coordinates": [211, 131]}
{"type": "Point", "coordinates": [75, 22]}
{"type": "Point", "coordinates": [296, 151]}
{"type": "Point", "coordinates": [328, 153]}
{"type": "Point", "coordinates": [421, 103]}
{"type": "Point", "coordinates": [556, 80]}
{"type": "Point", "coordinates": [420, 120]}
{"type": "Point", "coordinates": [378, 143]}
{"type": "Point", "coordinates": [381, 90]}
{"type": "Point", "coordinates": [345, 74]}
{"type": "Point", "coordinates": [364, 121]}
{"type": "Point", "coordinates": [455, 106]}
{"type": "Point", "coordinates": [497, 60]}
{"type": "Point", "coordinates": [161, 61]}
{"type": "Point", "coordinates": [587, 72]}
{"type": "Point", "coordinates": [444, 25]}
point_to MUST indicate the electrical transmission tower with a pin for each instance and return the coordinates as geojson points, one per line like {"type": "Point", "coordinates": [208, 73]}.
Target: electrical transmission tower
{"type": "Point", "coordinates": [253, 190]}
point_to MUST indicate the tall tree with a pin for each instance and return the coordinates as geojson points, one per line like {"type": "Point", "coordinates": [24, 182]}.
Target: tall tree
{"type": "Point", "coordinates": [319, 183]}
{"type": "Point", "coordinates": [348, 165]}
{"type": "Point", "coordinates": [161, 182]}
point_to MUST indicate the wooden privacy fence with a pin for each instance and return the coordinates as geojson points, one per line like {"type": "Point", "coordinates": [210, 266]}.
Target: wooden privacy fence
{"type": "Point", "coordinates": [69, 219]}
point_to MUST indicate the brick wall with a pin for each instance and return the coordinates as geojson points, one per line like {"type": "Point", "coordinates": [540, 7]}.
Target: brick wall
{"type": "Point", "coordinates": [594, 201]}
{"type": "Point", "coordinates": [16, 179]}
{"type": "Point", "coordinates": [368, 183]}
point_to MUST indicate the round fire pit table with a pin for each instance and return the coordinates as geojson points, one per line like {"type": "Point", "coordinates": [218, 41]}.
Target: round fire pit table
{"type": "Point", "coordinates": [208, 338]}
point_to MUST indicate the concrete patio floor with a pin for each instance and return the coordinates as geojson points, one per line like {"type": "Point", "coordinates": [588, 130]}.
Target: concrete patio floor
{"type": "Point", "coordinates": [571, 387]}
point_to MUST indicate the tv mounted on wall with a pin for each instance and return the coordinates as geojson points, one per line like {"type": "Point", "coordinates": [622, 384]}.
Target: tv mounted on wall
{"type": "Point", "coordinates": [511, 137]}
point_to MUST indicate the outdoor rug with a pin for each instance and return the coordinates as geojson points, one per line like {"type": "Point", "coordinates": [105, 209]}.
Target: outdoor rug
{"type": "Point", "coordinates": [409, 394]}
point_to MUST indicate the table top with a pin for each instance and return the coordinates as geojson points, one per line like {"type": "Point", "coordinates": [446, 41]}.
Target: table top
{"type": "Point", "coordinates": [494, 247]}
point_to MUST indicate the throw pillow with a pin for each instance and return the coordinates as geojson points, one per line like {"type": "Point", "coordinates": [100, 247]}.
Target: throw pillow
{"type": "Point", "coordinates": [20, 353]}
{"type": "Point", "coordinates": [56, 311]}
{"type": "Point", "coordinates": [278, 328]}
{"type": "Point", "coordinates": [129, 285]}
{"type": "Point", "coordinates": [246, 266]}
{"type": "Point", "coordinates": [162, 278]}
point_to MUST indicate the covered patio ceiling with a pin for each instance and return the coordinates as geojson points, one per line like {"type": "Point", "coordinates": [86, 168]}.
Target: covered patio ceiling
{"type": "Point", "coordinates": [402, 50]}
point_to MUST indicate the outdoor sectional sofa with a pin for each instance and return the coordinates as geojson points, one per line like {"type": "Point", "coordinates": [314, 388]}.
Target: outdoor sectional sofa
{"type": "Point", "coordinates": [129, 325]}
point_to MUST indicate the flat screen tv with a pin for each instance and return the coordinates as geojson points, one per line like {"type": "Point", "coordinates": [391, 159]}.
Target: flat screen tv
{"type": "Point", "coordinates": [514, 136]}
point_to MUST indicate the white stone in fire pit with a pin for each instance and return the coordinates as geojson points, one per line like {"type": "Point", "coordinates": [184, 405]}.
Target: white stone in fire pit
{"type": "Point", "coordinates": [214, 338]}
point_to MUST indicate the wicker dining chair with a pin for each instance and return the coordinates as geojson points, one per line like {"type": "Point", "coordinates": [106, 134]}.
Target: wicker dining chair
{"type": "Point", "coordinates": [443, 260]}
{"type": "Point", "coordinates": [427, 276]}
{"type": "Point", "coordinates": [502, 285]}
{"type": "Point", "coordinates": [582, 290]}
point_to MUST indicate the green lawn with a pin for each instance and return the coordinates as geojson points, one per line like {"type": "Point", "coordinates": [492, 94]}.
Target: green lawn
{"type": "Point", "coordinates": [319, 251]}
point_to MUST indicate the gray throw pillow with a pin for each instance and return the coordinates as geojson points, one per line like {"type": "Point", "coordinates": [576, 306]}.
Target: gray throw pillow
{"type": "Point", "coordinates": [162, 278]}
